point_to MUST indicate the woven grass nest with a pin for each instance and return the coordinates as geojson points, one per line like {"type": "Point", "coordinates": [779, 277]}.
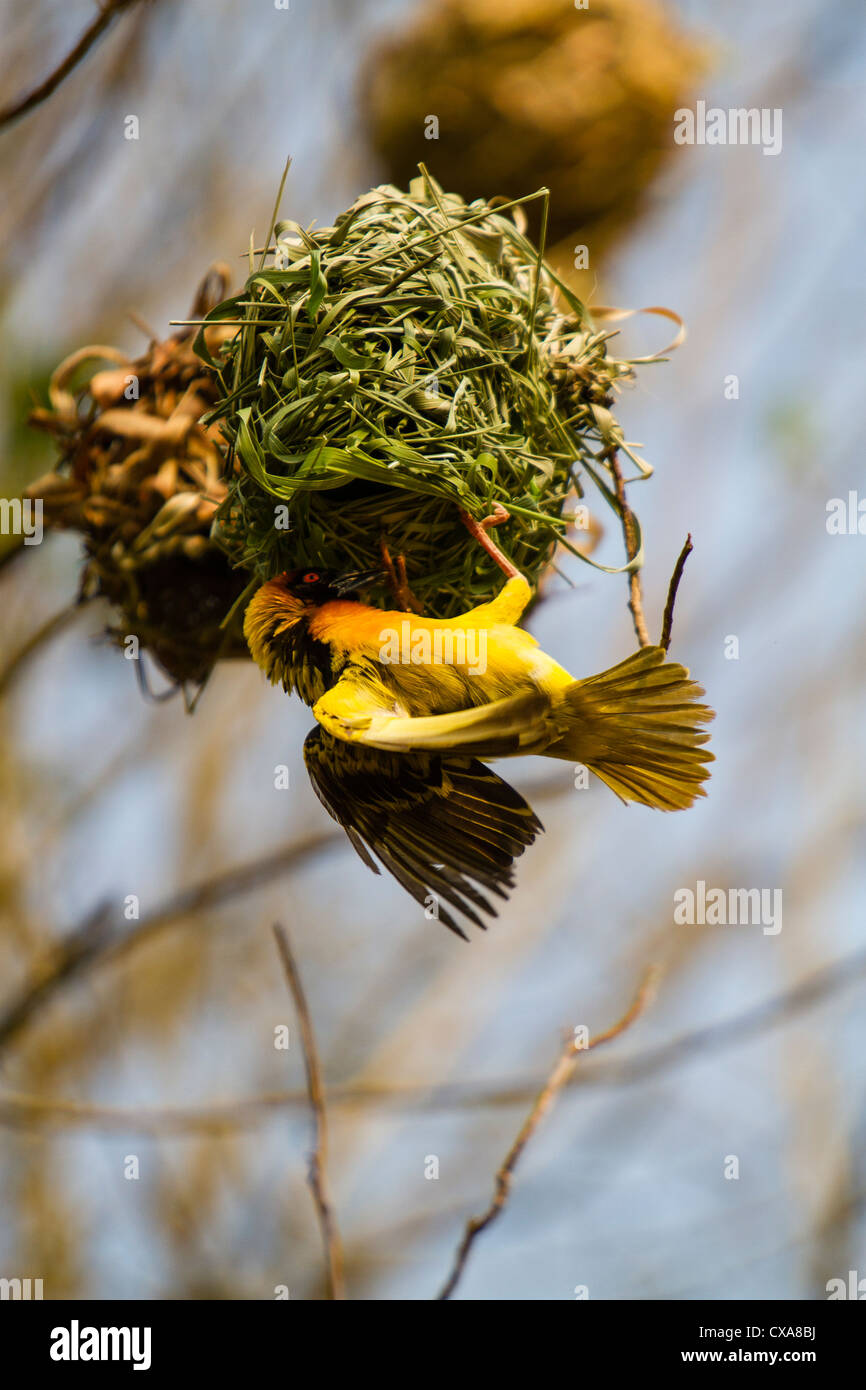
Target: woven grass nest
{"type": "Point", "coordinates": [535, 91]}
{"type": "Point", "coordinates": [415, 358]}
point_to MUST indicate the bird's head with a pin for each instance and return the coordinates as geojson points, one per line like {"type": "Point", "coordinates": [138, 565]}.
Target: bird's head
{"type": "Point", "coordinates": [279, 606]}
{"type": "Point", "coordinates": [312, 587]}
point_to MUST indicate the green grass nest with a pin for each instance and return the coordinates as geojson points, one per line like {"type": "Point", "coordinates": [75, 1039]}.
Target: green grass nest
{"type": "Point", "coordinates": [414, 358]}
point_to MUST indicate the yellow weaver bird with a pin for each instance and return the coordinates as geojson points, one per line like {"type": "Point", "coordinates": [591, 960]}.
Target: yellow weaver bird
{"type": "Point", "coordinates": [406, 706]}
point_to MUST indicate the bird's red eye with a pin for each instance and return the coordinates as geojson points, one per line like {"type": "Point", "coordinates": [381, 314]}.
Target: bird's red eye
{"type": "Point", "coordinates": [311, 578]}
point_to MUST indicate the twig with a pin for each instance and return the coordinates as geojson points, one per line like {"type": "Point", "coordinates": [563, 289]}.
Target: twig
{"type": "Point", "coordinates": [558, 1078]}
{"type": "Point", "coordinates": [668, 620]}
{"type": "Point", "coordinates": [318, 1173]}
{"type": "Point", "coordinates": [635, 597]}
{"type": "Point", "coordinates": [94, 31]}
{"type": "Point", "coordinates": [21, 1111]}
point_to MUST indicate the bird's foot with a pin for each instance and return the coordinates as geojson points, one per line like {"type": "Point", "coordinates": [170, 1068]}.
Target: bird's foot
{"type": "Point", "coordinates": [398, 581]}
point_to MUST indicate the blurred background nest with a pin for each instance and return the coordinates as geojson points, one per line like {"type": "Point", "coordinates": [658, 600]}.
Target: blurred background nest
{"type": "Point", "coordinates": [526, 97]}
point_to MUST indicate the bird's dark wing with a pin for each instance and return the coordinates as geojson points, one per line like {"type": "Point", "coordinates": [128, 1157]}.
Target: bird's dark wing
{"type": "Point", "coordinates": [444, 825]}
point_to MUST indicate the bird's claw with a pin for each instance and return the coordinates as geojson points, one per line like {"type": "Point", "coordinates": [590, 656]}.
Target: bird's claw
{"type": "Point", "coordinates": [399, 582]}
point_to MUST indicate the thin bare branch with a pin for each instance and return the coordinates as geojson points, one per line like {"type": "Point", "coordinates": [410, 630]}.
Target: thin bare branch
{"type": "Point", "coordinates": [558, 1078]}
{"type": "Point", "coordinates": [101, 21]}
{"type": "Point", "coordinates": [629, 531]}
{"type": "Point", "coordinates": [668, 619]}
{"type": "Point", "coordinates": [318, 1172]}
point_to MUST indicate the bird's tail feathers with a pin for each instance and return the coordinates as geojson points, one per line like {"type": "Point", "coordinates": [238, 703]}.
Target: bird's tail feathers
{"type": "Point", "coordinates": [637, 726]}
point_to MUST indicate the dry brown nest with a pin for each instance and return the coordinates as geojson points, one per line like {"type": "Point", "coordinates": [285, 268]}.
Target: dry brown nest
{"type": "Point", "coordinates": [140, 479]}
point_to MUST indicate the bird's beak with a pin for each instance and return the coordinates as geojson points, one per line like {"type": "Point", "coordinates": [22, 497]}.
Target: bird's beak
{"type": "Point", "coordinates": [347, 583]}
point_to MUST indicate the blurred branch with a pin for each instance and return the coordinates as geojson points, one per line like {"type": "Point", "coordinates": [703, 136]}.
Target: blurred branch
{"type": "Point", "coordinates": [559, 1077]}
{"type": "Point", "coordinates": [61, 964]}
{"type": "Point", "coordinates": [318, 1174]}
{"type": "Point", "coordinates": [668, 619]}
{"type": "Point", "coordinates": [635, 597]}
{"type": "Point", "coordinates": [68, 960]}
{"type": "Point", "coordinates": [18, 1111]}
{"type": "Point", "coordinates": [24, 1111]}
{"type": "Point", "coordinates": [43, 634]}
{"type": "Point", "coordinates": [105, 14]}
